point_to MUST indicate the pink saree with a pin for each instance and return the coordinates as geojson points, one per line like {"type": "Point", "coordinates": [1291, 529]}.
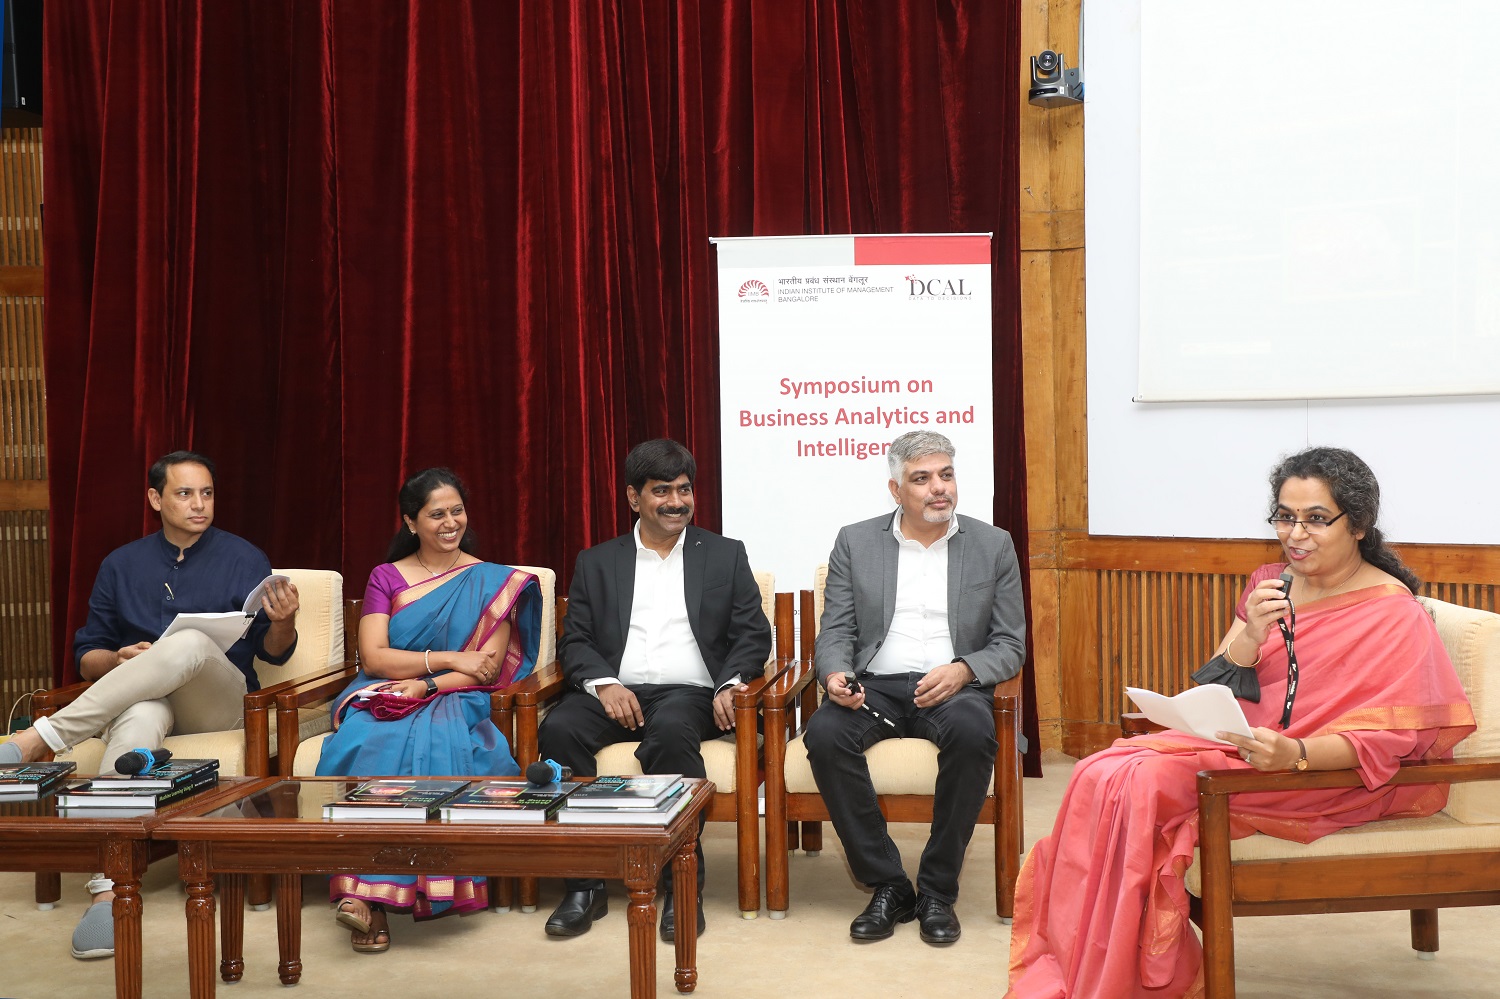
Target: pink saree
{"type": "Point", "coordinates": [1101, 908]}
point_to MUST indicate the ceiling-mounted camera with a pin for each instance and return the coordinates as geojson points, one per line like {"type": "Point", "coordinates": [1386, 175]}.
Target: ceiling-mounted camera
{"type": "Point", "coordinates": [1052, 82]}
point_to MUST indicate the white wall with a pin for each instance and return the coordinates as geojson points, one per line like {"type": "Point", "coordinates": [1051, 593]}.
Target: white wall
{"type": "Point", "coordinates": [1199, 469]}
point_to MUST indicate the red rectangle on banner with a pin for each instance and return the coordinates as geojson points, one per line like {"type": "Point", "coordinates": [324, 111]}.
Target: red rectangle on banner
{"type": "Point", "coordinates": [875, 250]}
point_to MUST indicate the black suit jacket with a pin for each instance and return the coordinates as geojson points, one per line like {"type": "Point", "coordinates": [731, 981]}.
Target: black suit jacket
{"type": "Point", "coordinates": [723, 609]}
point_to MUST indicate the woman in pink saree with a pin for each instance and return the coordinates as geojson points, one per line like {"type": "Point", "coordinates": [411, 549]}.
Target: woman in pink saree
{"type": "Point", "coordinates": [1101, 908]}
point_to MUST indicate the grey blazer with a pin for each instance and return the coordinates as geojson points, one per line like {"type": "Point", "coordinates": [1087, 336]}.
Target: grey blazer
{"type": "Point", "coordinates": [986, 610]}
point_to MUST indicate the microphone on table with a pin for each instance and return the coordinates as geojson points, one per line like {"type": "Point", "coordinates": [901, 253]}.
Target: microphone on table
{"type": "Point", "coordinates": [547, 772]}
{"type": "Point", "coordinates": [138, 760]}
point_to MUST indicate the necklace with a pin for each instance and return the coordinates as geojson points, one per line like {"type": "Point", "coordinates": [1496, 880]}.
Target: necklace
{"type": "Point", "coordinates": [456, 555]}
{"type": "Point", "coordinates": [1328, 591]}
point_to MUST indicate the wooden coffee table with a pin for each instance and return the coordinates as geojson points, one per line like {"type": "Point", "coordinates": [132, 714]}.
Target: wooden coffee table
{"type": "Point", "coordinates": [276, 827]}
{"type": "Point", "coordinates": [34, 838]}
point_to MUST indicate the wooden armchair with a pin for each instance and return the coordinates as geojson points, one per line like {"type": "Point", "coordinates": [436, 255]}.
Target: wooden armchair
{"type": "Point", "coordinates": [903, 771]}
{"type": "Point", "coordinates": [302, 710]}
{"type": "Point", "coordinates": [732, 762]}
{"type": "Point", "coordinates": [1445, 860]}
{"type": "Point", "coordinates": [320, 649]}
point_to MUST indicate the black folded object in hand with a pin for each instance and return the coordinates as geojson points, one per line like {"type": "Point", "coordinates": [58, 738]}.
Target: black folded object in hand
{"type": "Point", "coordinates": [1241, 681]}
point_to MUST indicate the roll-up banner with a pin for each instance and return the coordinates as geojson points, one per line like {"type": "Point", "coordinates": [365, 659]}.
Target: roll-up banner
{"type": "Point", "coordinates": [830, 348]}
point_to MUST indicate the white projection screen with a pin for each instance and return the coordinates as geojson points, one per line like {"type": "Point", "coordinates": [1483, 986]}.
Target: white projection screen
{"type": "Point", "coordinates": [1319, 202]}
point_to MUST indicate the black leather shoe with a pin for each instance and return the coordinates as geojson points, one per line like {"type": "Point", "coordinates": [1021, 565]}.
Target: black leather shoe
{"type": "Point", "coordinates": [669, 917]}
{"type": "Point", "coordinates": [577, 912]}
{"type": "Point", "coordinates": [937, 921]}
{"type": "Point", "coordinates": [892, 904]}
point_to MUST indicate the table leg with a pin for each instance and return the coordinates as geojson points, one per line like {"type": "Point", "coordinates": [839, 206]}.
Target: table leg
{"type": "Point", "coordinates": [232, 927]}
{"type": "Point", "coordinates": [289, 927]}
{"type": "Point", "coordinates": [192, 862]}
{"type": "Point", "coordinates": [640, 920]}
{"type": "Point", "coordinates": [127, 913]}
{"type": "Point", "coordinates": [685, 897]}
{"type": "Point", "coordinates": [125, 863]}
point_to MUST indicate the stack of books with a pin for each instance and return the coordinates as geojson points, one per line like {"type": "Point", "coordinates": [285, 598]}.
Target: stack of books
{"type": "Point", "coordinates": [29, 781]}
{"type": "Point", "coordinates": [394, 800]}
{"type": "Point", "coordinates": [163, 784]}
{"type": "Point", "coordinates": [508, 801]}
{"type": "Point", "coordinates": [649, 800]}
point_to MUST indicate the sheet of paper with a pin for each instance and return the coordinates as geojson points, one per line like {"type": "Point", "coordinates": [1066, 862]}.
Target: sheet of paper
{"type": "Point", "coordinates": [223, 629]}
{"type": "Point", "coordinates": [1199, 711]}
{"type": "Point", "coordinates": [252, 602]}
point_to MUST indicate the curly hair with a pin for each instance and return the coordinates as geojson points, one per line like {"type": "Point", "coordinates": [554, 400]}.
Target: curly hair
{"type": "Point", "coordinates": [1356, 492]}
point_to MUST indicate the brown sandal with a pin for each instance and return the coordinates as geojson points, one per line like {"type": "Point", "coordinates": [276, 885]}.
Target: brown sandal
{"type": "Point", "coordinates": [345, 915]}
{"type": "Point", "coordinates": [382, 934]}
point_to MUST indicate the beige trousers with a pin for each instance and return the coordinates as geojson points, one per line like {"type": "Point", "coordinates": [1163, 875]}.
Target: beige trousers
{"type": "Point", "coordinates": [181, 685]}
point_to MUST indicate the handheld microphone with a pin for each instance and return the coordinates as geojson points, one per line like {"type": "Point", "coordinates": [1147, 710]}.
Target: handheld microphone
{"type": "Point", "coordinates": [137, 760]}
{"type": "Point", "coordinates": [547, 772]}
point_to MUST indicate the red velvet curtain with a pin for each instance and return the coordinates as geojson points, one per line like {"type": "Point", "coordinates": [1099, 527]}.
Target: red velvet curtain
{"type": "Point", "coordinates": [329, 243]}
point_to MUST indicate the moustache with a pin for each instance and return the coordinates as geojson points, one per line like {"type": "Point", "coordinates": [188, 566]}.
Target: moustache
{"type": "Point", "coordinates": [675, 511]}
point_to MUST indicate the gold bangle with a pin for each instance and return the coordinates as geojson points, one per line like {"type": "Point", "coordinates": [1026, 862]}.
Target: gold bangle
{"type": "Point", "coordinates": [428, 662]}
{"type": "Point", "coordinates": [1240, 665]}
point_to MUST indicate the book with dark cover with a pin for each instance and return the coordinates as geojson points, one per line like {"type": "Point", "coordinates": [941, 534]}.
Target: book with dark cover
{"type": "Point", "coordinates": [643, 791]}
{"type": "Point", "coordinates": [394, 800]}
{"type": "Point", "coordinates": [23, 781]}
{"type": "Point", "coordinates": [658, 816]}
{"type": "Point", "coordinates": [508, 801]}
{"type": "Point", "coordinates": [89, 793]}
{"type": "Point", "coordinates": [172, 773]}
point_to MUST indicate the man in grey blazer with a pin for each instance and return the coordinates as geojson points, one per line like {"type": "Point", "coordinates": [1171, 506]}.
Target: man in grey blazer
{"type": "Point", "coordinates": [663, 625]}
{"type": "Point", "coordinates": [924, 610]}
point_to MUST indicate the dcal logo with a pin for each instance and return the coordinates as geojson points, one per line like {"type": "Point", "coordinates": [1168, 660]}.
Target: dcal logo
{"type": "Point", "coordinates": [937, 289]}
{"type": "Point", "coordinates": [754, 291]}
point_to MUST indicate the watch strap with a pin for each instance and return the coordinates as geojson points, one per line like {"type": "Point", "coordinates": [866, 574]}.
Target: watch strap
{"type": "Point", "coordinates": [1302, 761]}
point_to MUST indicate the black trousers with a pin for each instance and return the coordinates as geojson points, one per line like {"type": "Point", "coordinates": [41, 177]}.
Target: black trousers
{"type": "Point", "coordinates": [962, 727]}
{"type": "Point", "coordinates": [678, 718]}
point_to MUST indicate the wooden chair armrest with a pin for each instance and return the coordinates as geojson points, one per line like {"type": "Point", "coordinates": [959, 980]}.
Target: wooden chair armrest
{"type": "Point", "coordinates": [1224, 782]}
{"type": "Point", "coordinates": [48, 701]}
{"type": "Point", "coordinates": [1134, 723]}
{"type": "Point", "coordinates": [1008, 692]}
{"type": "Point", "coordinates": [541, 686]}
{"type": "Point", "coordinates": [784, 688]}
{"type": "Point", "coordinates": [267, 696]}
{"type": "Point", "coordinates": [310, 690]}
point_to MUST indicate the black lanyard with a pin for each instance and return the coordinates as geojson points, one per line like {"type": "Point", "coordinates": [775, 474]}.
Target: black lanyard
{"type": "Point", "coordinates": [1287, 624]}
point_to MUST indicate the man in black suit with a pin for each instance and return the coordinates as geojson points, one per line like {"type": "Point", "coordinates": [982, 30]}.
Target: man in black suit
{"type": "Point", "coordinates": [663, 625]}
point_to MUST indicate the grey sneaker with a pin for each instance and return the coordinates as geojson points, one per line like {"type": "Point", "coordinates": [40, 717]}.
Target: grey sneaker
{"type": "Point", "coordinates": [95, 934]}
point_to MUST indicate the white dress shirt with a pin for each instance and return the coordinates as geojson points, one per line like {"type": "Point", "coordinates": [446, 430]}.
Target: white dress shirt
{"type": "Point", "coordinates": [918, 638]}
{"type": "Point", "coordinates": [660, 647]}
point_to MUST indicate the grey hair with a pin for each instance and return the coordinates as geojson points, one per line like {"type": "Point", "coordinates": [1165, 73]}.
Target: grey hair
{"type": "Point", "coordinates": [911, 446]}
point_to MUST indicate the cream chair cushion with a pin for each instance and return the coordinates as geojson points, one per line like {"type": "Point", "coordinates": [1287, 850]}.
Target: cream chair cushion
{"type": "Point", "coordinates": [315, 730]}
{"type": "Point", "coordinates": [1472, 818]}
{"type": "Point", "coordinates": [897, 766]}
{"type": "Point", "coordinates": [320, 647]}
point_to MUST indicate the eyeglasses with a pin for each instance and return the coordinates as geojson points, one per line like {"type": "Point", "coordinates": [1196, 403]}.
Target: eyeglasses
{"type": "Point", "coordinates": [1285, 525]}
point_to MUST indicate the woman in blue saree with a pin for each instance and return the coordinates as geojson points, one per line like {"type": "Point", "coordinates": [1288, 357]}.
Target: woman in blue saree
{"type": "Point", "coordinates": [439, 631]}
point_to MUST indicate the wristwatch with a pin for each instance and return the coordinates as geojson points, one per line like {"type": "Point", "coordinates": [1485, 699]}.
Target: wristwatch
{"type": "Point", "coordinates": [432, 689]}
{"type": "Point", "coordinates": [1302, 752]}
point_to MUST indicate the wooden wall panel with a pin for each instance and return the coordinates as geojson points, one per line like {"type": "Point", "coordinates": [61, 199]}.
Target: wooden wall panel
{"type": "Point", "coordinates": [25, 632]}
